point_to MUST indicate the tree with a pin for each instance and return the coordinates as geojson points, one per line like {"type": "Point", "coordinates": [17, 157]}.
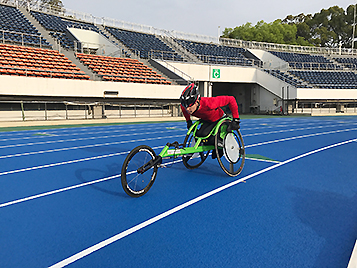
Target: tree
{"type": "Point", "coordinates": [275, 32]}
{"type": "Point", "coordinates": [54, 4]}
{"type": "Point", "coordinates": [330, 27]}
{"type": "Point", "coordinates": [350, 12]}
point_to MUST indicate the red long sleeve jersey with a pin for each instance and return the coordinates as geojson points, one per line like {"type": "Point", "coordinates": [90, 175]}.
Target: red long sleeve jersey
{"type": "Point", "coordinates": [210, 108]}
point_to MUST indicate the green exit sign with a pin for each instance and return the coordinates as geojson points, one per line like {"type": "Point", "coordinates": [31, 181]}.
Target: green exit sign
{"type": "Point", "coordinates": [216, 73]}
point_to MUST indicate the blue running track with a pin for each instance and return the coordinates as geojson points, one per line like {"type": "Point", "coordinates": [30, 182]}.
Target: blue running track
{"type": "Point", "coordinates": [294, 204]}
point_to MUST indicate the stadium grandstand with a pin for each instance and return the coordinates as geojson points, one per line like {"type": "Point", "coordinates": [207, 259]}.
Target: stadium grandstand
{"type": "Point", "coordinates": [62, 64]}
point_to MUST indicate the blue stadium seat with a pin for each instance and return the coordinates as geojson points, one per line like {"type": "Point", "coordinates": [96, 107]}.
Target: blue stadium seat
{"type": "Point", "coordinates": [347, 62]}
{"type": "Point", "coordinates": [328, 79]}
{"type": "Point", "coordinates": [143, 44]}
{"type": "Point", "coordinates": [216, 54]}
{"type": "Point", "coordinates": [58, 26]}
{"type": "Point", "coordinates": [288, 78]}
{"type": "Point", "coordinates": [16, 28]}
{"type": "Point", "coordinates": [306, 61]}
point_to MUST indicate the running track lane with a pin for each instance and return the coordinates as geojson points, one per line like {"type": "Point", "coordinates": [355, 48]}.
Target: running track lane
{"type": "Point", "coordinates": [138, 227]}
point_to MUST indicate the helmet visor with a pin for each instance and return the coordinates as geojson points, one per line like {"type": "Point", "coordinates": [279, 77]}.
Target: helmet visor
{"type": "Point", "coordinates": [188, 101]}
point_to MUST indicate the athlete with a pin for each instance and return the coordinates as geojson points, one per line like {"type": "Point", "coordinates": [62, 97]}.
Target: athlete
{"type": "Point", "coordinates": [208, 109]}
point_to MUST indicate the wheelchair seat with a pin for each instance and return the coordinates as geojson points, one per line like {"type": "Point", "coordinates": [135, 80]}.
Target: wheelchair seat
{"type": "Point", "coordinates": [205, 128]}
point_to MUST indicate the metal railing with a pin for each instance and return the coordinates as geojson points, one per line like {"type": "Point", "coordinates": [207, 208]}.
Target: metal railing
{"type": "Point", "coordinates": [287, 48]}
{"type": "Point", "coordinates": [66, 110]}
{"type": "Point", "coordinates": [20, 38]}
{"type": "Point", "coordinates": [165, 55]}
{"type": "Point", "coordinates": [31, 72]}
{"type": "Point", "coordinates": [82, 16]}
{"type": "Point", "coordinates": [221, 60]}
{"type": "Point", "coordinates": [298, 65]}
{"type": "Point", "coordinates": [321, 108]}
{"type": "Point", "coordinates": [178, 72]}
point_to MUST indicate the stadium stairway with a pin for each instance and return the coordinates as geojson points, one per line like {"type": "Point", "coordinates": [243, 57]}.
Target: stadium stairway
{"type": "Point", "coordinates": [69, 54]}
{"type": "Point", "coordinates": [173, 77]}
{"type": "Point", "coordinates": [165, 73]}
{"type": "Point", "coordinates": [300, 81]}
{"type": "Point", "coordinates": [334, 61]}
{"type": "Point", "coordinates": [122, 49]}
{"type": "Point", "coordinates": [162, 71]}
{"type": "Point", "coordinates": [188, 56]}
{"type": "Point", "coordinates": [38, 26]}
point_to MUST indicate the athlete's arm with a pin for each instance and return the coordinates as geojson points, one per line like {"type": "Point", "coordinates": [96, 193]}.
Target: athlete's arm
{"type": "Point", "coordinates": [221, 101]}
{"type": "Point", "coordinates": [187, 117]}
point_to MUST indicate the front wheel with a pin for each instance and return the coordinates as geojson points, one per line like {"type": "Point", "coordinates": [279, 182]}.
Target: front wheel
{"type": "Point", "coordinates": [134, 182]}
{"type": "Point", "coordinates": [230, 146]}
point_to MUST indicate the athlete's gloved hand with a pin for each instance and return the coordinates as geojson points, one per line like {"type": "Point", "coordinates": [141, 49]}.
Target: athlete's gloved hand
{"type": "Point", "coordinates": [234, 125]}
{"type": "Point", "coordinates": [189, 124]}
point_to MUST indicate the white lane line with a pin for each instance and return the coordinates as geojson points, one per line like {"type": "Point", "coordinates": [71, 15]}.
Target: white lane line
{"type": "Point", "coordinates": [290, 125]}
{"type": "Point", "coordinates": [131, 134]}
{"type": "Point", "coordinates": [82, 147]}
{"type": "Point", "coordinates": [21, 200]}
{"type": "Point", "coordinates": [353, 260]}
{"type": "Point", "coordinates": [165, 214]}
{"type": "Point", "coordinates": [146, 139]}
{"type": "Point", "coordinates": [262, 160]}
{"type": "Point", "coordinates": [97, 145]}
{"type": "Point", "coordinates": [289, 130]}
{"type": "Point", "coordinates": [301, 137]}
{"type": "Point", "coordinates": [52, 133]}
{"type": "Point", "coordinates": [65, 162]}
{"type": "Point", "coordinates": [55, 191]}
{"type": "Point", "coordinates": [80, 139]}
{"type": "Point", "coordinates": [60, 163]}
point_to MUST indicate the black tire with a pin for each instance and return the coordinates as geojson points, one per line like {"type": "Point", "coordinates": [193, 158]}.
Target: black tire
{"type": "Point", "coordinates": [231, 166]}
{"type": "Point", "coordinates": [136, 184]}
{"type": "Point", "coordinates": [192, 161]}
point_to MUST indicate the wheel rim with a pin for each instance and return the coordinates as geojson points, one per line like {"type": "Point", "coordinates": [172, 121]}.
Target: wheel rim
{"type": "Point", "coordinates": [232, 161]}
{"type": "Point", "coordinates": [134, 182]}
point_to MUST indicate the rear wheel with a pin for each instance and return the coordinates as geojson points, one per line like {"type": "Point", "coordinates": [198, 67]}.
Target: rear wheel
{"type": "Point", "coordinates": [192, 161]}
{"type": "Point", "coordinates": [230, 146]}
{"type": "Point", "coordinates": [134, 182]}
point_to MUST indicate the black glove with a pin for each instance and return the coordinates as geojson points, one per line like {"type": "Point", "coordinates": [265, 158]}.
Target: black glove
{"type": "Point", "coordinates": [234, 125]}
{"type": "Point", "coordinates": [189, 124]}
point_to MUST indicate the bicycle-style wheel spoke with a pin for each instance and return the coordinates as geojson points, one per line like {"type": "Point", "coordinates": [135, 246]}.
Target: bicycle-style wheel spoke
{"type": "Point", "coordinates": [192, 161]}
{"type": "Point", "coordinates": [136, 183]}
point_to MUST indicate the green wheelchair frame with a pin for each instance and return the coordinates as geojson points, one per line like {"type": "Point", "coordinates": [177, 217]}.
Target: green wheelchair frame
{"type": "Point", "coordinates": [140, 167]}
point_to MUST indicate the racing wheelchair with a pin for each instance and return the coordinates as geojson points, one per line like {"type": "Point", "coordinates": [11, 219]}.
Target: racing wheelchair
{"type": "Point", "coordinates": [141, 165]}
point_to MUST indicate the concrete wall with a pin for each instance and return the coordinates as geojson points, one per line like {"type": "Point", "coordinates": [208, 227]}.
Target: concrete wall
{"type": "Point", "coordinates": [91, 39]}
{"type": "Point", "coordinates": [266, 101]}
{"type": "Point", "coordinates": [235, 74]}
{"type": "Point", "coordinates": [326, 94]}
{"type": "Point", "coordinates": [270, 61]}
{"type": "Point", "coordinates": [83, 114]}
{"type": "Point", "coordinates": [204, 72]}
{"type": "Point", "coordinates": [275, 85]}
{"type": "Point", "coordinates": [33, 86]}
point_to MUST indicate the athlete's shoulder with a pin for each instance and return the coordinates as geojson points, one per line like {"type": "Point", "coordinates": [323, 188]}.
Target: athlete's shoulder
{"type": "Point", "coordinates": [204, 100]}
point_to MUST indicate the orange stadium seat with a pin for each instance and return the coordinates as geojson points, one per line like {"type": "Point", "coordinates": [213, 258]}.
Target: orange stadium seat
{"type": "Point", "coordinates": [130, 70]}
{"type": "Point", "coordinates": [20, 60]}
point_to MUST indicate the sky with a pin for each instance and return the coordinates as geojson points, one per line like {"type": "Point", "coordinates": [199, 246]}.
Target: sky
{"type": "Point", "coordinates": [203, 17]}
